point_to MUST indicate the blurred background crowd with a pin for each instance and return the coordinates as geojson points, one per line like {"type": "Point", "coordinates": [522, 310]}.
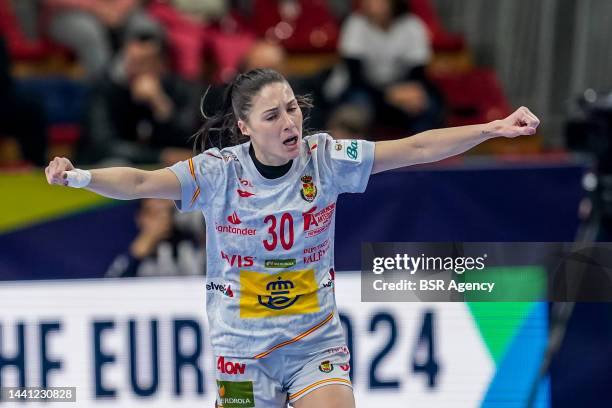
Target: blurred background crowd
{"type": "Point", "coordinates": [116, 82]}
{"type": "Point", "coordinates": [120, 81]}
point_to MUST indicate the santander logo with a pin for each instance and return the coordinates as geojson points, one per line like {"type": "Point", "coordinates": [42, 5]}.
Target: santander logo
{"type": "Point", "coordinates": [235, 229]}
{"type": "Point", "coordinates": [234, 219]}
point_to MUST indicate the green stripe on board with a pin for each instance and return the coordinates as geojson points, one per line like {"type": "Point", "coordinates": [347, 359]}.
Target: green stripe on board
{"type": "Point", "coordinates": [499, 321]}
{"type": "Point", "coordinates": [27, 199]}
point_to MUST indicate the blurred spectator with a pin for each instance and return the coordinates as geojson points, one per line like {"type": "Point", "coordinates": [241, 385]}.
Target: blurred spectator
{"type": "Point", "coordinates": [160, 248]}
{"type": "Point", "coordinates": [93, 29]}
{"type": "Point", "coordinates": [264, 54]}
{"type": "Point", "coordinates": [350, 122]}
{"type": "Point", "coordinates": [139, 111]}
{"type": "Point", "coordinates": [21, 117]}
{"type": "Point", "coordinates": [261, 54]}
{"type": "Point", "coordinates": [202, 28]}
{"type": "Point", "coordinates": [385, 50]}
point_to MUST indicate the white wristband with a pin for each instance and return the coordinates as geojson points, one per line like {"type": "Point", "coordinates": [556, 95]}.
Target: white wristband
{"type": "Point", "coordinates": [78, 178]}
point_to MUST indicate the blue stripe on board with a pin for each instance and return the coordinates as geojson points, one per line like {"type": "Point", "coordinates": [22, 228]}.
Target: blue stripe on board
{"type": "Point", "coordinates": [40, 251]}
{"type": "Point", "coordinates": [519, 366]}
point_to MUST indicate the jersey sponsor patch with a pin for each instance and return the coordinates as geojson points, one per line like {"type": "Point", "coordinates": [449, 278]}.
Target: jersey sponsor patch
{"type": "Point", "coordinates": [347, 150]}
{"type": "Point", "coordinates": [236, 394]}
{"type": "Point", "coordinates": [219, 286]}
{"type": "Point", "coordinates": [280, 263]}
{"type": "Point", "coordinates": [326, 367]}
{"type": "Point", "coordinates": [230, 367]}
{"type": "Point", "coordinates": [340, 349]}
{"type": "Point", "coordinates": [317, 222]}
{"type": "Point", "coordinates": [286, 293]}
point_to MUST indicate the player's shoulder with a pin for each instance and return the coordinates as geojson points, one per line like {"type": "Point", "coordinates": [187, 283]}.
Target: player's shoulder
{"type": "Point", "coordinates": [220, 157]}
{"type": "Point", "coordinates": [317, 138]}
{"type": "Point", "coordinates": [317, 144]}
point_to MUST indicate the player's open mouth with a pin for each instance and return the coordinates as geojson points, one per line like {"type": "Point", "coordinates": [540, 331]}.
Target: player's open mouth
{"type": "Point", "coordinates": [291, 141]}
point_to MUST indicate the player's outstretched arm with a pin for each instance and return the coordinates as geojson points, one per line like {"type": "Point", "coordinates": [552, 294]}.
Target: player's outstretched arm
{"type": "Point", "coordinates": [438, 144]}
{"type": "Point", "coordinates": [122, 183]}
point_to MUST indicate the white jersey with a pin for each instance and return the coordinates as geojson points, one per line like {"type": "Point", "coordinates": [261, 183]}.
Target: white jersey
{"type": "Point", "coordinates": [269, 243]}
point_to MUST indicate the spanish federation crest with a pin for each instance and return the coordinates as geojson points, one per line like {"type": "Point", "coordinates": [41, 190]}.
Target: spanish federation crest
{"type": "Point", "coordinates": [309, 190]}
{"type": "Point", "coordinates": [326, 367]}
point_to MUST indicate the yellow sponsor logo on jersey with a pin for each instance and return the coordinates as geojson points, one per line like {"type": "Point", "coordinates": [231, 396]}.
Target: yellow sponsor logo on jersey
{"type": "Point", "coordinates": [267, 295]}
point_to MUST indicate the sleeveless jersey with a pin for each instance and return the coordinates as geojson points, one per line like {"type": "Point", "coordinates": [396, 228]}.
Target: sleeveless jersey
{"type": "Point", "coordinates": [269, 243]}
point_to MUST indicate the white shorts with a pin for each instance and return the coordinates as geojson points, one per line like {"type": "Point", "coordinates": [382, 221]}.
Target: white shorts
{"type": "Point", "coordinates": [279, 378]}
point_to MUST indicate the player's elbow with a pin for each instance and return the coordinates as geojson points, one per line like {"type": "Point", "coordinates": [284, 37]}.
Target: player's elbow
{"type": "Point", "coordinates": [142, 184]}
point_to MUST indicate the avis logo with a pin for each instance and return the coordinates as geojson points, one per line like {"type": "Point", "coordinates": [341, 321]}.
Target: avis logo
{"type": "Point", "coordinates": [237, 260]}
{"type": "Point", "coordinates": [220, 287]}
{"type": "Point", "coordinates": [234, 219]}
{"type": "Point", "coordinates": [229, 367]}
{"type": "Point", "coordinates": [278, 298]}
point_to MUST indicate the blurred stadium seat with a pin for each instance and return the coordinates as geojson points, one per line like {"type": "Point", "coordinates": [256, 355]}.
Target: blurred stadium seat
{"type": "Point", "coordinates": [441, 39]}
{"type": "Point", "coordinates": [313, 30]}
{"type": "Point", "coordinates": [474, 96]}
{"type": "Point", "coordinates": [21, 47]}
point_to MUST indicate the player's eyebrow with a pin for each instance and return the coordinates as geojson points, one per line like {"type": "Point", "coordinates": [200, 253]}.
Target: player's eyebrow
{"type": "Point", "coordinates": [291, 102]}
{"type": "Point", "coordinates": [270, 110]}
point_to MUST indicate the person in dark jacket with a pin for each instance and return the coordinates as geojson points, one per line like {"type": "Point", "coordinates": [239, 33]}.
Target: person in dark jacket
{"type": "Point", "coordinates": [139, 111]}
{"type": "Point", "coordinates": [161, 247]}
{"type": "Point", "coordinates": [22, 117]}
{"type": "Point", "coordinates": [385, 50]}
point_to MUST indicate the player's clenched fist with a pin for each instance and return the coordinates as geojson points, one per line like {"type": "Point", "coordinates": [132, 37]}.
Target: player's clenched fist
{"type": "Point", "coordinates": [521, 122]}
{"type": "Point", "coordinates": [61, 172]}
{"type": "Point", "coordinates": [56, 171]}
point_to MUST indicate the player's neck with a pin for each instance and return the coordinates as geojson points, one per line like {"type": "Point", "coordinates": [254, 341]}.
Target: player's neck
{"type": "Point", "coordinates": [269, 172]}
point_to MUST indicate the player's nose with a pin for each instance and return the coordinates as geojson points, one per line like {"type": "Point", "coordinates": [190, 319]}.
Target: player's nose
{"type": "Point", "coordinates": [288, 122]}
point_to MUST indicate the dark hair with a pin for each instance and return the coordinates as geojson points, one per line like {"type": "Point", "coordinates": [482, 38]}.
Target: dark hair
{"type": "Point", "coordinates": [399, 8]}
{"type": "Point", "coordinates": [221, 129]}
{"type": "Point", "coordinates": [146, 31]}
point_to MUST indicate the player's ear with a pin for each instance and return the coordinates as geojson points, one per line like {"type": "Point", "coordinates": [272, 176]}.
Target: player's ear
{"type": "Point", "coordinates": [244, 128]}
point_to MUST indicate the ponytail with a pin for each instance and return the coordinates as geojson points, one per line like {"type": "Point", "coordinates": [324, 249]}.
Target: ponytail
{"type": "Point", "coordinates": [221, 129]}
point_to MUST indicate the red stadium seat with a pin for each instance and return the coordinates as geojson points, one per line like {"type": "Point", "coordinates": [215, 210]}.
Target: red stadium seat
{"type": "Point", "coordinates": [313, 30]}
{"type": "Point", "coordinates": [228, 50]}
{"type": "Point", "coordinates": [67, 133]}
{"type": "Point", "coordinates": [441, 39]}
{"type": "Point", "coordinates": [19, 45]}
{"type": "Point", "coordinates": [472, 97]}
